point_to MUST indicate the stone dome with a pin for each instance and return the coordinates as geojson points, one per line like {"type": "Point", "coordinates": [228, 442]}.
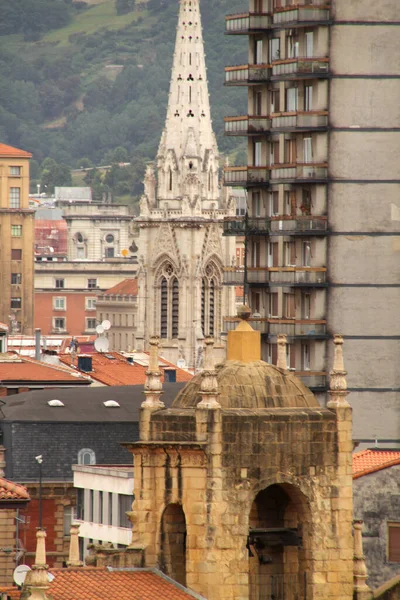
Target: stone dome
{"type": "Point", "coordinates": [251, 385]}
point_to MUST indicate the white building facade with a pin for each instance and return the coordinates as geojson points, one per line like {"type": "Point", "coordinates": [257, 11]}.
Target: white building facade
{"type": "Point", "coordinates": [181, 249]}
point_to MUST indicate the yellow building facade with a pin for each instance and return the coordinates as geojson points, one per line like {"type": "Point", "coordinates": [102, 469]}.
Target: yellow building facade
{"type": "Point", "coordinates": [16, 241]}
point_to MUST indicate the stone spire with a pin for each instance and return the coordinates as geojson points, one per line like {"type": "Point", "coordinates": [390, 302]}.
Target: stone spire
{"type": "Point", "coordinates": [153, 383]}
{"type": "Point", "coordinates": [209, 384]}
{"type": "Point", "coordinates": [37, 580]}
{"type": "Point", "coordinates": [188, 153]}
{"type": "Point", "coordinates": [338, 384]}
{"type": "Point", "coordinates": [361, 589]}
{"type": "Point", "coordinates": [282, 359]}
{"type": "Point", "coordinates": [74, 560]}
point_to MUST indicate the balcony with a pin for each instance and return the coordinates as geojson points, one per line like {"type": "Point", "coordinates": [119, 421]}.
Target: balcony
{"type": "Point", "coordinates": [234, 276]}
{"type": "Point", "coordinates": [301, 15]}
{"type": "Point", "coordinates": [247, 125]}
{"type": "Point", "coordinates": [247, 74]}
{"type": "Point", "coordinates": [316, 381]}
{"type": "Point", "coordinates": [246, 23]}
{"type": "Point", "coordinates": [300, 68]}
{"type": "Point", "coordinates": [299, 173]}
{"type": "Point", "coordinates": [299, 225]}
{"type": "Point", "coordinates": [246, 176]}
{"type": "Point", "coordinates": [293, 328]}
{"type": "Point", "coordinates": [287, 276]}
{"type": "Point", "coordinates": [235, 226]}
{"type": "Point", "coordinates": [300, 120]}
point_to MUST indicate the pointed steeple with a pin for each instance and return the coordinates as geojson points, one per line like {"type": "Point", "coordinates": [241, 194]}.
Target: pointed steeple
{"type": "Point", "coordinates": [188, 149]}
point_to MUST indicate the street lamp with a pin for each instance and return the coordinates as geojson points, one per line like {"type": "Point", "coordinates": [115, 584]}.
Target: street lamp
{"type": "Point", "coordinates": [39, 460]}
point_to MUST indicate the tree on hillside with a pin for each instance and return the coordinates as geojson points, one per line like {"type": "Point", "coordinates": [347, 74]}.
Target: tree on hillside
{"type": "Point", "coordinates": [124, 6]}
{"type": "Point", "coordinates": [54, 175]}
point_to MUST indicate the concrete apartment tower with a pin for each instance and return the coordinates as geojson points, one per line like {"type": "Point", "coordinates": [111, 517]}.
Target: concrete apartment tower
{"type": "Point", "coordinates": [181, 248]}
{"type": "Point", "coordinates": [322, 231]}
{"type": "Point", "coordinates": [16, 241]}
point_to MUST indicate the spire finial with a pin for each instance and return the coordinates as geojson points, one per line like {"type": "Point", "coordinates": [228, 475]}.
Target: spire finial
{"type": "Point", "coordinates": [209, 383]}
{"type": "Point", "coordinates": [360, 568]}
{"type": "Point", "coordinates": [37, 581]}
{"type": "Point", "coordinates": [153, 384]}
{"type": "Point", "coordinates": [282, 344]}
{"type": "Point", "coordinates": [74, 559]}
{"type": "Point", "coordinates": [338, 384]}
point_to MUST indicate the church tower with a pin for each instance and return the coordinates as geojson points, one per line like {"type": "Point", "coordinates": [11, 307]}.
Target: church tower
{"type": "Point", "coordinates": [181, 248]}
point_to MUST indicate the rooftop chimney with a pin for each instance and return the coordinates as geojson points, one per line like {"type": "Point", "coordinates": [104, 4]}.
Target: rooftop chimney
{"type": "Point", "coordinates": [85, 363]}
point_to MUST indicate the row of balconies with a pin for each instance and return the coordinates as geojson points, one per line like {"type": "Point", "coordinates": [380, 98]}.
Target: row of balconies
{"type": "Point", "coordinates": [281, 225]}
{"type": "Point", "coordinates": [248, 176]}
{"type": "Point", "coordinates": [287, 121]}
{"type": "Point", "coordinates": [292, 16]}
{"type": "Point", "coordinates": [276, 276]}
{"type": "Point", "coordinates": [289, 68]}
{"type": "Point", "coordinates": [293, 328]}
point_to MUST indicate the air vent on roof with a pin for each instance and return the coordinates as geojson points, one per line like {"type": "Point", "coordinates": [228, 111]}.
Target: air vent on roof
{"type": "Point", "coordinates": [55, 403]}
{"type": "Point", "coordinates": [109, 356]}
{"type": "Point", "coordinates": [111, 404]}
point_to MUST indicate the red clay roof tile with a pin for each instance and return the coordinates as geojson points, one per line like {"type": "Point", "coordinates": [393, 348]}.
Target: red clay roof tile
{"type": "Point", "coordinates": [11, 592]}
{"type": "Point", "coordinates": [10, 151]}
{"type": "Point", "coordinates": [369, 461]}
{"type": "Point", "coordinates": [12, 491]}
{"type": "Point", "coordinates": [117, 370]}
{"type": "Point", "coordinates": [127, 287]}
{"type": "Point", "coordinates": [27, 369]}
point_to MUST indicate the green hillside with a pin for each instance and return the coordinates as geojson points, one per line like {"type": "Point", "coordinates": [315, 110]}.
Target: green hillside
{"type": "Point", "coordinates": [80, 83]}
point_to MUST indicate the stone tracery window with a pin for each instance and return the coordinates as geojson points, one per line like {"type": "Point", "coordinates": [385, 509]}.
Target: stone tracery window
{"type": "Point", "coordinates": [210, 300]}
{"type": "Point", "coordinates": [169, 302]}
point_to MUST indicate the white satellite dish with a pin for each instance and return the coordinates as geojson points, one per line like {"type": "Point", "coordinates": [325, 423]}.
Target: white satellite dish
{"type": "Point", "coordinates": [102, 344]}
{"type": "Point", "coordinates": [106, 325]}
{"type": "Point", "coordinates": [100, 329]}
{"type": "Point", "coordinates": [20, 574]}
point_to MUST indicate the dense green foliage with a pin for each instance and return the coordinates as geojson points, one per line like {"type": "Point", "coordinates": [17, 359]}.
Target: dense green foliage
{"type": "Point", "coordinates": [76, 96]}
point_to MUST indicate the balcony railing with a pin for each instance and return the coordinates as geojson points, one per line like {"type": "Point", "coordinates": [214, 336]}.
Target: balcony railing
{"type": "Point", "coordinates": [301, 66]}
{"type": "Point", "coordinates": [279, 276]}
{"type": "Point", "coordinates": [246, 125]}
{"type": "Point", "coordinates": [299, 120]}
{"type": "Point", "coordinates": [247, 23]}
{"type": "Point", "coordinates": [246, 176]}
{"type": "Point", "coordinates": [293, 328]}
{"type": "Point", "coordinates": [315, 380]}
{"type": "Point", "coordinates": [300, 15]}
{"type": "Point", "coordinates": [299, 171]}
{"type": "Point", "coordinates": [289, 276]}
{"type": "Point", "coordinates": [246, 74]}
{"type": "Point", "coordinates": [275, 225]}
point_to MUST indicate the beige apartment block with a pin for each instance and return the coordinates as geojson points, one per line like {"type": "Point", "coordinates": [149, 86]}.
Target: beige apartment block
{"type": "Point", "coordinates": [16, 241]}
{"type": "Point", "coordinates": [118, 305]}
{"type": "Point", "coordinates": [322, 176]}
{"type": "Point", "coordinates": [181, 248]}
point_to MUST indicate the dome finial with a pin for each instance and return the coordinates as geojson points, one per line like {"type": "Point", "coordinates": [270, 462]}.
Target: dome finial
{"type": "Point", "coordinates": [338, 384]}
{"type": "Point", "coordinates": [244, 344]}
{"type": "Point", "coordinates": [244, 312]}
{"type": "Point", "coordinates": [282, 357]}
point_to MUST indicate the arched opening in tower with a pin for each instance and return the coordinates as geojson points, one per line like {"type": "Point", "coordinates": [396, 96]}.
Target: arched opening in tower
{"type": "Point", "coordinates": [278, 544]}
{"type": "Point", "coordinates": [173, 543]}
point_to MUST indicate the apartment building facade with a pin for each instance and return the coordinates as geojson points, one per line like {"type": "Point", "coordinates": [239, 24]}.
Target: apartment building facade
{"type": "Point", "coordinates": [322, 228]}
{"type": "Point", "coordinates": [16, 241]}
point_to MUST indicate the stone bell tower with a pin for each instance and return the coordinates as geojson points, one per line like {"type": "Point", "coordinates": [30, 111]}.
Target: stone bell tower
{"type": "Point", "coordinates": [181, 248]}
{"type": "Point", "coordinates": [244, 486]}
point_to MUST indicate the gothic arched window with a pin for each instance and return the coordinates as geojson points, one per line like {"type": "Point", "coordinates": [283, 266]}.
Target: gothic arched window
{"type": "Point", "coordinates": [209, 300]}
{"type": "Point", "coordinates": [169, 303]}
{"type": "Point", "coordinates": [170, 176]}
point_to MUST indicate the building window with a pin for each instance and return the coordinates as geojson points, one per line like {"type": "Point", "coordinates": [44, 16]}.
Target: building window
{"type": "Point", "coordinates": [16, 254]}
{"type": "Point", "coordinates": [169, 303]}
{"type": "Point", "coordinates": [90, 304]}
{"type": "Point", "coordinates": [16, 302]}
{"type": "Point", "coordinates": [86, 456]}
{"type": "Point", "coordinates": [92, 284]}
{"type": "Point", "coordinates": [109, 238]}
{"type": "Point", "coordinates": [90, 324]}
{"type": "Point", "coordinates": [124, 506]}
{"type": "Point", "coordinates": [60, 284]}
{"type": "Point", "coordinates": [305, 355]}
{"type": "Point", "coordinates": [394, 542]}
{"type": "Point", "coordinates": [273, 304]}
{"type": "Point", "coordinates": [109, 252]}
{"type": "Point", "coordinates": [80, 499]}
{"type": "Point", "coordinates": [80, 252]}
{"type": "Point", "coordinates": [15, 171]}
{"type": "Point", "coordinates": [308, 97]}
{"type": "Point", "coordinates": [16, 278]}
{"type": "Point", "coordinates": [59, 303]}
{"type": "Point", "coordinates": [306, 254]}
{"type": "Point", "coordinates": [289, 306]}
{"type": "Point", "coordinates": [15, 197]}
{"type": "Point", "coordinates": [16, 230]}
{"type": "Point", "coordinates": [59, 324]}
{"type": "Point", "coordinates": [289, 249]}
{"type": "Point", "coordinates": [69, 516]}
{"type": "Point", "coordinates": [209, 300]}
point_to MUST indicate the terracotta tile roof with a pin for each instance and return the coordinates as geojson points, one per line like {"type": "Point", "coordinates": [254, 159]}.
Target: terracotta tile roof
{"type": "Point", "coordinates": [369, 461]}
{"type": "Point", "coordinates": [7, 151]}
{"type": "Point", "coordinates": [24, 370]}
{"type": "Point", "coordinates": [128, 287]}
{"type": "Point", "coordinates": [11, 592]}
{"type": "Point", "coordinates": [12, 491]}
{"type": "Point", "coordinates": [4, 326]}
{"type": "Point", "coordinates": [118, 371]}
{"type": "Point", "coordinates": [99, 583]}
{"type": "Point", "coordinates": [50, 234]}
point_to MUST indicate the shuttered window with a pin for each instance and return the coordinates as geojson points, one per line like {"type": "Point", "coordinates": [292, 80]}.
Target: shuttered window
{"type": "Point", "coordinates": [394, 542]}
